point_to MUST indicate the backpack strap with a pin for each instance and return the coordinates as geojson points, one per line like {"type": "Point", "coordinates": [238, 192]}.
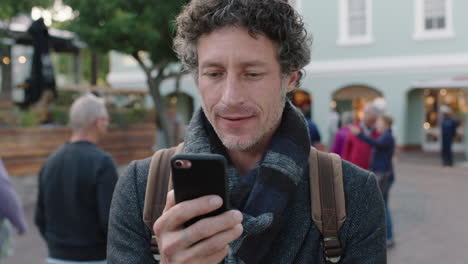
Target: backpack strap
{"type": "Point", "coordinates": [327, 193]}
{"type": "Point", "coordinates": [157, 186]}
{"type": "Point", "coordinates": [327, 200]}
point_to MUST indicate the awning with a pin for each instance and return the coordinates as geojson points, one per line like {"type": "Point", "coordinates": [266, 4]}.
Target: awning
{"type": "Point", "coordinates": [453, 82]}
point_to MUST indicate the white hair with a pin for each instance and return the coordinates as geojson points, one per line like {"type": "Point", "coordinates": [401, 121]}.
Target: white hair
{"type": "Point", "coordinates": [372, 108]}
{"type": "Point", "coordinates": [347, 118]}
{"type": "Point", "coordinates": [85, 110]}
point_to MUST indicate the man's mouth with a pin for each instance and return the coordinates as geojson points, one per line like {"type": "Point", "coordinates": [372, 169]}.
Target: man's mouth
{"type": "Point", "coordinates": [236, 120]}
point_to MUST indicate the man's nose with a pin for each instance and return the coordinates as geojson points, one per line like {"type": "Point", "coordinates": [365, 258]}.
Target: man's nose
{"type": "Point", "coordinates": [233, 91]}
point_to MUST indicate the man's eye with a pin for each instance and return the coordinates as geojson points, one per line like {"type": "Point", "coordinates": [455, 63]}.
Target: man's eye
{"type": "Point", "coordinates": [213, 74]}
{"type": "Point", "coordinates": [253, 74]}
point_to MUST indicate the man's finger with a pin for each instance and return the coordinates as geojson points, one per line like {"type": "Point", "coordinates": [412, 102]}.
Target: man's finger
{"type": "Point", "coordinates": [180, 213]}
{"type": "Point", "coordinates": [170, 201]}
{"type": "Point", "coordinates": [208, 227]}
{"type": "Point", "coordinates": [213, 244]}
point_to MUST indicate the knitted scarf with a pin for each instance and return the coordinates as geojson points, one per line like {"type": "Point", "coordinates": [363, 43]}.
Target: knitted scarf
{"type": "Point", "coordinates": [263, 194]}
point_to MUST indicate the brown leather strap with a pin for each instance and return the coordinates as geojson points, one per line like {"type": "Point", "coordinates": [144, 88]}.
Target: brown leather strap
{"type": "Point", "coordinates": [331, 242]}
{"type": "Point", "coordinates": [315, 189]}
{"type": "Point", "coordinates": [158, 184]}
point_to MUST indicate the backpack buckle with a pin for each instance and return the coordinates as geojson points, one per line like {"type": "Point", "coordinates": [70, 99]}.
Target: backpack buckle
{"type": "Point", "coordinates": [332, 249]}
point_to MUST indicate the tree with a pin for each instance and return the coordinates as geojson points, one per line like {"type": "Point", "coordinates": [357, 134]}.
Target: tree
{"type": "Point", "coordinates": [141, 28]}
{"type": "Point", "coordinates": [12, 8]}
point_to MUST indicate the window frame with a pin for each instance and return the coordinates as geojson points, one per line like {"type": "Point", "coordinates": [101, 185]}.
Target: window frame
{"type": "Point", "coordinates": [344, 37]}
{"type": "Point", "coordinates": [420, 31]}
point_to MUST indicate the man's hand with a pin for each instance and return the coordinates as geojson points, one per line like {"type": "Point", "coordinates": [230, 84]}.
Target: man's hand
{"type": "Point", "coordinates": [206, 241]}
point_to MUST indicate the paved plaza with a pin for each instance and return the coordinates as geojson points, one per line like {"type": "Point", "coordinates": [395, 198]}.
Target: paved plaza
{"type": "Point", "coordinates": [428, 202]}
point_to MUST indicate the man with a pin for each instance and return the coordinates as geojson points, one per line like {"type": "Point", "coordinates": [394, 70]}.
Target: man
{"type": "Point", "coordinates": [245, 56]}
{"type": "Point", "coordinates": [75, 189]}
{"type": "Point", "coordinates": [448, 127]}
{"type": "Point", "coordinates": [355, 150]}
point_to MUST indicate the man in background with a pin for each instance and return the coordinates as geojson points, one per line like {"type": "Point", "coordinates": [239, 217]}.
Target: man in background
{"type": "Point", "coordinates": [75, 189]}
{"type": "Point", "coordinates": [448, 127]}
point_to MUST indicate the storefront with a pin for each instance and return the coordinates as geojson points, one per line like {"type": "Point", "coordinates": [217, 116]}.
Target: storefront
{"type": "Point", "coordinates": [451, 92]}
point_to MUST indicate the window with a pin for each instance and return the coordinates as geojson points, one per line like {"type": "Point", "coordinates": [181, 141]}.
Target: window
{"type": "Point", "coordinates": [355, 22]}
{"type": "Point", "coordinates": [433, 19]}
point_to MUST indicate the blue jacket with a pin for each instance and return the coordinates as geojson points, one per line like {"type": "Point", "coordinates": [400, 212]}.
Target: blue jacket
{"type": "Point", "coordinates": [313, 132]}
{"type": "Point", "coordinates": [449, 130]}
{"type": "Point", "coordinates": [383, 149]}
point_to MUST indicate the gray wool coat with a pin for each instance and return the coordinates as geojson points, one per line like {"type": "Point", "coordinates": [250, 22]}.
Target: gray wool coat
{"type": "Point", "coordinates": [362, 235]}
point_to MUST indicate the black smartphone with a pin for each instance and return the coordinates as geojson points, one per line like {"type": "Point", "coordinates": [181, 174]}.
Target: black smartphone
{"type": "Point", "coordinates": [196, 175]}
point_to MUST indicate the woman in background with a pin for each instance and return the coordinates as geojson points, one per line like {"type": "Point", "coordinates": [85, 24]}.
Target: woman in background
{"type": "Point", "coordinates": [383, 149]}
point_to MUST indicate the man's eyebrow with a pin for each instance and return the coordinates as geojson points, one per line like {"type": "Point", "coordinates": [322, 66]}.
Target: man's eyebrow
{"type": "Point", "coordinates": [208, 63]}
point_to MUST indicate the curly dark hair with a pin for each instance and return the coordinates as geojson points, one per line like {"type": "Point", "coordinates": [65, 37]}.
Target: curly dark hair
{"type": "Point", "coordinates": [275, 19]}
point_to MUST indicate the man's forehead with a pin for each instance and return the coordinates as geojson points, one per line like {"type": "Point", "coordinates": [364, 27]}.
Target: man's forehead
{"type": "Point", "coordinates": [235, 45]}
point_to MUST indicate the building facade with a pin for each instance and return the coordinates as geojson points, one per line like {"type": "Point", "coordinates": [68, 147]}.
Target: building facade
{"type": "Point", "coordinates": [398, 50]}
{"type": "Point", "coordinates": [411, 53]}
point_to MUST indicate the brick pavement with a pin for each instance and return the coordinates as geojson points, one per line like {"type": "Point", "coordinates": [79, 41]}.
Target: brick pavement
{"type": "Point", "coordinates": [428, 203]}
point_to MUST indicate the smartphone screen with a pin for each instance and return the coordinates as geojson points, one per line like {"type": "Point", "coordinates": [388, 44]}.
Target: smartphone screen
{"type": "Point", "coordinates": [196, 175]}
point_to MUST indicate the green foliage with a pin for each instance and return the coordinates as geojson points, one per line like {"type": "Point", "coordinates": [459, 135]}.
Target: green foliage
{"type": "Point", "coordinates": [29, 118]}
{"type": "Point", "coordinates": [103, 69]}
{"type": "Point", "coordinates": [128, 26]}
{"type": "Point", "coordinates": [66, 98]}
{"type": "Point", "coordinates": [123, 117]}
{"type": "Point", "coordinates": [11, 8]}
{"type": "Point", "coordinates": [59, 114]}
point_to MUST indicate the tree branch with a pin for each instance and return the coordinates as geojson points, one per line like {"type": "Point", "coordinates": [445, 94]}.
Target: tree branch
{"type": "Point", "coordinates": [174, 75]}
{"type": "Point", "coordinates": [142, 64]}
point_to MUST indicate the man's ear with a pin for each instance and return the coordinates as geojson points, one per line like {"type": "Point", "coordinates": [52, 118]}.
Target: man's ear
{"type": "Point", "coordinates": [292, 81]}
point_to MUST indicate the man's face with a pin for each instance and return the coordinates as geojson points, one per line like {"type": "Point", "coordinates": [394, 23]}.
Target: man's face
{"type": "Point", "coordinates": [369, 119]}
{"type": "Point", "coordinates": [243, 91]}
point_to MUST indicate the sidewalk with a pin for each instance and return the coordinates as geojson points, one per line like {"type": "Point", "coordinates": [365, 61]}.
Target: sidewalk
{"type": "Point", "coordinates": [428, 204]}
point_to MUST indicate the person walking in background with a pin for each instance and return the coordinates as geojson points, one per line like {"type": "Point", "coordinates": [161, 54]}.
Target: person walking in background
{"type": "Point", "coordinates": [342, 134]}
{"type": "Point", "coordinates": [383, 150]}
{"type": "Point", "coordinates": [448, 127]}
{"type": "Point", "coordinates": [333, 124]}
{"type": "Point", "coordinates": [356, 151]}
{"type": "Point", "coordinates": [75, 189]}
{"type": "Point", "coordinates": [315, 138]}
{"type": "Point", "coordinates": [11, 213]}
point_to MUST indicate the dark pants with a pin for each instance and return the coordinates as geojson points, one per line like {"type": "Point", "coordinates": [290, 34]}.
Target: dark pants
{"type": "Point", "coordinates": [447, 155]}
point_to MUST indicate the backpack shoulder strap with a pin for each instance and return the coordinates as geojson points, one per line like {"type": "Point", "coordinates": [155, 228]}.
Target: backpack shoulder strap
{"type": "Point", "coordinates": [327, 200]}
{"type": "Point", "coordinates": [158, 185]}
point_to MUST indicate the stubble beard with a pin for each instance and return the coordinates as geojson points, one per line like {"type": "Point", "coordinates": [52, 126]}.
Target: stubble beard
{"type": "Point", "coordinates": [233, 142]}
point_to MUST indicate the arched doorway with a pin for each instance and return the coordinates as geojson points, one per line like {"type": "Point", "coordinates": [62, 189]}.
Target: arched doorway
{"type": "Point", "coordinates": [353, 98]}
